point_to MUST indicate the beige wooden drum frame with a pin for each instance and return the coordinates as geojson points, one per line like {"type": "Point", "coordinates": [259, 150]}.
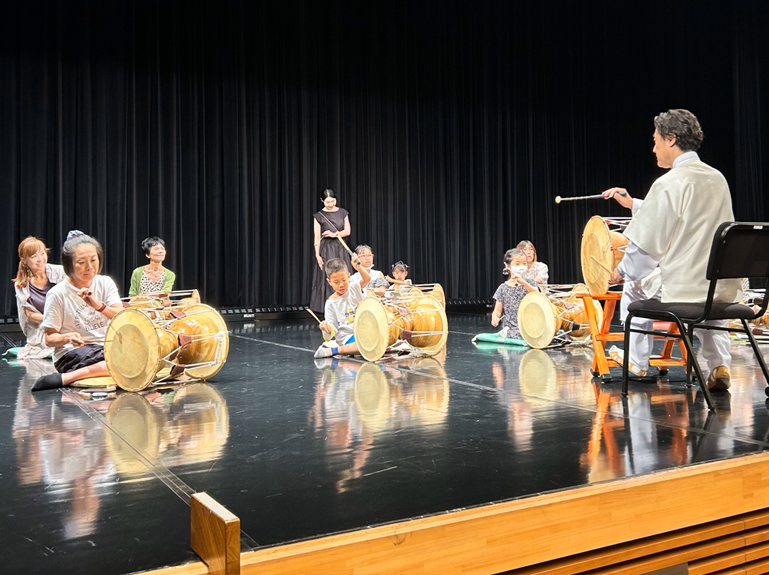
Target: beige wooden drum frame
{"type": "Point", "coordinates": [162, 299]}
{"type": "Point", "coordinates": [381, 320]}
{"type": "Point", "coordinates": [603, 247]}
{"type": "Point", "coordinates": [540, 317]}
{"type": "Point", "coordinates": [418, 290]}
{"type": "Point", "coordinates": [145, 346]}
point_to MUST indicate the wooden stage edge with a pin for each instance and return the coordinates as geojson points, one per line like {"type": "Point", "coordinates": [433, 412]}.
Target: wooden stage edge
{"type": "Point", "coordinates": [531, 531]}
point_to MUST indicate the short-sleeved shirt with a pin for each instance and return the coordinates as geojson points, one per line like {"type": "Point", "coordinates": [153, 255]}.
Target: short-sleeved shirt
{"type": "Point", "coordinates": [510, 297]}
{"type": "Point", "coordinates": [66, 312]}
{"type": "Point", "coordinates": [539, 272]}
{"type": "Point", "coordinates": [377, 279]}
{"type": "Point", "coordinates": [340, 312]}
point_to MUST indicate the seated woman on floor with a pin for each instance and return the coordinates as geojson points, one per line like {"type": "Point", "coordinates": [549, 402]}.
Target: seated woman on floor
{"type": "Point", "coordinates": [77, 313]}
{"type": "Point", "coordinates": [33, 281]}
{"type": "Point", "coordinates": [152, 278]}
{"type": "Point", "coordinates": [536, 269]}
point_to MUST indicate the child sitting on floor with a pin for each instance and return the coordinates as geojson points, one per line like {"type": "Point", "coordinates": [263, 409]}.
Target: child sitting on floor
{"type": "Point", "coordinates": [377, 281]}
{"type": "Point", "coordinates": [399, 271]}
{"type": "Point", "coordinates": [510, 293]}
{"type": "Point", "coordinates": [340, 307]}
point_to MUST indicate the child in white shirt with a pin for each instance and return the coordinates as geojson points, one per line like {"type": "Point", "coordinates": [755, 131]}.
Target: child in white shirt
{"type": "Point", "coordinates": [340, 307]}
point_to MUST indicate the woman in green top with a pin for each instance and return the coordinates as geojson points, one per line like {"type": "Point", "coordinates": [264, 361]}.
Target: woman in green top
{"type": "Point", "coordinates": [152, 278]}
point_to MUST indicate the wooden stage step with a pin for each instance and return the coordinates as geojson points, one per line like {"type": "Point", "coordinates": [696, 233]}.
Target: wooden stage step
{"type": "Point", "coordinates": [708, 518]}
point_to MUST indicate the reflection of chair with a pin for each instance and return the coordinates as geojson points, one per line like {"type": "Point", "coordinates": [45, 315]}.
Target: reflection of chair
{"type": "Point", "coordinates": [739, 250]}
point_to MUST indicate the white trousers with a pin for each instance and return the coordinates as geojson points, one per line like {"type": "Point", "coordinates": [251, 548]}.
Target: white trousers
{"type": "Point", "coordinates": [716, 345]}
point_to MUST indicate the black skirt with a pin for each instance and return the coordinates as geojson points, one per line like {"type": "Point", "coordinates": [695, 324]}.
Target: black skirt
{"type": "Point", "coordinates": [321, 289]}
{"type": "Point", "coordinates": [79, 357]}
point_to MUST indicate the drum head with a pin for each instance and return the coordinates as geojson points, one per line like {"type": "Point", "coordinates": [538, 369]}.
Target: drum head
{"type": "Point", "coordinates": [192, 299]}
{"type": "Point", "coordinates": [596, 255]}
{"type": "Point", "coordinates": [437, 293]}
{"type": "Point", "coordinates": [537, 374]}
{"type": "Point", "coordinates": [371, 329]}
{"type": "Point", "coordinates": [132, 417]}
{"type": "Point", "coordinates": [372, 397]}
{"type": "Point", "coordinates": [411, 295]}
{"type": "Point", "coordinates": [577, 289]}
{"type": "Point", "coordinates": [131, 349]}
{"type": "Point", "coordinates": [94, 382]}
{"type": "Point", "coordinates": [210, 337]}
{"type": "Point", "coordinates": [537, 320]}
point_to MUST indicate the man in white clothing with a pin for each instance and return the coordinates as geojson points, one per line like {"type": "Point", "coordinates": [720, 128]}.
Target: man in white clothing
{"type": "Point", "coordinates": [671, 235]}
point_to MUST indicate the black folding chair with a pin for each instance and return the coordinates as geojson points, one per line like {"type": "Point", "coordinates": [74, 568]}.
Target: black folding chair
{"type": "Point", "coordinates": [739, 250]}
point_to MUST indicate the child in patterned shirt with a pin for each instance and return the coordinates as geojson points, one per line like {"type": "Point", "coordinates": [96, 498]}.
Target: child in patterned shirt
{"type": "Point", "coordinates": [510, 293]}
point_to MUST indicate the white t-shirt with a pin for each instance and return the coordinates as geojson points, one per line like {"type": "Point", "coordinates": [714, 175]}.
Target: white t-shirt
{"type": "Point", "coordinates": [340, 311]}
{"type": "Point", "coordinates": [375, 275]}
{"type": "Point", "coordinates": [66, 312]}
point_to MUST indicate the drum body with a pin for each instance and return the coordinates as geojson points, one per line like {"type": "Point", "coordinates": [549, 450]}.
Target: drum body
{"type": "Point", "coordinates": [541, 317]}
{"type": "Point", "coordinates": [414, 317]}
{"type": "Point", "coordinates": [603, 247]}
{"type": "Point", "coordinates": [142, 346]}
{"type": "Point", "coordinates": [436, 291]}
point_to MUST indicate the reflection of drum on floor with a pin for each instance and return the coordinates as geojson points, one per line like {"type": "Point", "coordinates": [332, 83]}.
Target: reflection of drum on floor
{"type": "Point", "coordinates": [603, 247]}
{"type": "Point", "coordinates": [422, 398]}
{"type": "Point", "coordinates": [143, 346]}
{"type": "Point", "coordinates": [192, 428]}
{"type": "Point", "coordinates": [414, 318]}
{"type": "Point", "coordinates": [133, 416]}
{"type": "Point", "coordinates": [557, 317]}
{"type": "Point", "coordinates": [537, 374]}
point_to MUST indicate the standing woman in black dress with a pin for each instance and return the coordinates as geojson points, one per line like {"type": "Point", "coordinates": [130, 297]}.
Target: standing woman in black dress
{"type": "Point", "coordinates": [330, 222]}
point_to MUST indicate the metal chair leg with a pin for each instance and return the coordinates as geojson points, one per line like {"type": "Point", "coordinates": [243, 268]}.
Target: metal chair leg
{"type": "Point", "coordinates": [690, 358]}
{"type": "Point", "coordinates": [759, 356]}
{"type": "Point", "coordinates": [626, 352]}
{"type": "Point", "coordinates": [696, 365]}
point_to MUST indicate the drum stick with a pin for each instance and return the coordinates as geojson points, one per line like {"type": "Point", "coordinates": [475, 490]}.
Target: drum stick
{"type": "Point", "coordinates": [344, 244]}
{"type": "Point", "coordinates": [602, 265]}
{"type": "Point", "coordinates": [313, 315]}
{"type": "Point", "coordinates": [559, 199]}
{"type": "Point", "coordinates": [349, 251]}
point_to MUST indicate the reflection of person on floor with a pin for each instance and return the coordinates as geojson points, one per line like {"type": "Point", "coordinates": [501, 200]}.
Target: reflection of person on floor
{"type": "Point", "coordinates": [77, 312]}
{"type": "Point", "coordinates": [60, 446]}
{"type": "Point", "coordinates": [335, 414]}
{"type": "Point", "coordinates": [340, 308]}
{"type": "Point", "coordinates": [506, 374]}
{"type": "Point", "coordinates": [673, 228]}
{"type": "Point", "coordinates": [510, 293]}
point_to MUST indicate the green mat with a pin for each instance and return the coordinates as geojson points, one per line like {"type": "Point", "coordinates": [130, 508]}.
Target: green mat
{"type": "Point", "coordinates": [494, 338]}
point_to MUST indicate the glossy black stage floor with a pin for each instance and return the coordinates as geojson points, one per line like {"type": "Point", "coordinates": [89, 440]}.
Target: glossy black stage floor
{"type": "Point", "coordinates": [299, 448]}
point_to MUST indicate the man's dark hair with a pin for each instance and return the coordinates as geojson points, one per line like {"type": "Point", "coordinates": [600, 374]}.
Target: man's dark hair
{"type": "Point", "coordinates": [683, 125]}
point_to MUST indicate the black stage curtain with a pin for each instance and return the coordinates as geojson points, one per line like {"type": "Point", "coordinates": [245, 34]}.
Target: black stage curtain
{"type": "Point", "coordinates": [446, 127]}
